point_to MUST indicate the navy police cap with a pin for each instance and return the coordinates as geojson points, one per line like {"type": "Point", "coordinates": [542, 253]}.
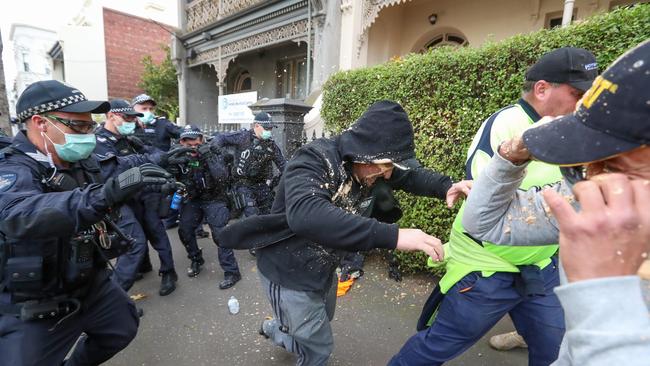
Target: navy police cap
{"type": "Point", "coordinates": [191, 132]}
{"type": "Point", "coordinates": [53, 95]}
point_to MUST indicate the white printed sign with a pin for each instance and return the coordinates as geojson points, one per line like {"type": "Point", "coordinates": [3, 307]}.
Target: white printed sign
{"type": "Point", "coordinates": [233, 108]}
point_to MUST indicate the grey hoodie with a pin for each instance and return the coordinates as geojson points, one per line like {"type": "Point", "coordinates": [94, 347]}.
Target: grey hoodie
{"type": "Point", "coordinates": [607, 320]}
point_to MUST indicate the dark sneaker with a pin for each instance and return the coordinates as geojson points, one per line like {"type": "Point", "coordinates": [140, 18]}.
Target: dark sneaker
{"type": "Point", "coordinates": [168, 283]}
{"type": "Point", "coordinates": [229, 281]}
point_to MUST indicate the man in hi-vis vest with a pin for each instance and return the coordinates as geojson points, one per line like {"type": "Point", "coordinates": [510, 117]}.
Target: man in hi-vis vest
{"type": "Point", "coordinates": [483, 281]}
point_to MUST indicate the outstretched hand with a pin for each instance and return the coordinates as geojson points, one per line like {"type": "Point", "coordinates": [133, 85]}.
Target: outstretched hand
{"type": "Point", "coordinates": [458, 191]}
{"type": "Point", "coordinates": [416, 239]}
{"type": "Point", "coordinates": [176, 155]}
{"type": "Point", "coordinates": [118, 190]}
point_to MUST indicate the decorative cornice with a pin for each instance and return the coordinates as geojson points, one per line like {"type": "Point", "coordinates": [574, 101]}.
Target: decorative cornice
{"type": "Point", "coordinates": [288, 32]}
{"type": "Point", "coordinates": [201, 13]}
{"type": "Point", "coordinates": [230, 7]}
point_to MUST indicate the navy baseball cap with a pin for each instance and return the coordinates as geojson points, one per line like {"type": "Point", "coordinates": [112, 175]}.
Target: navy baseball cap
{"type": "Point", "coordinates": [264, 119]}
{"type": "Point", "coordinates": [142, 98]}
{"type": "Point", "coordinates": [191, 132]}
{"type": "Point", "coordinates": [612, 117]}
{"type": "Point", "coordinates": [122, 106]}
{"type": "Point", "coordinates": [567, 65]}
{"type": "Point", "coordinates": [53, 95]}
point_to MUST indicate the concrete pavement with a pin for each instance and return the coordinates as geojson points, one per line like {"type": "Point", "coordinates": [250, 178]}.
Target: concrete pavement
{"type": "Point", "coordinates": [192, 326]}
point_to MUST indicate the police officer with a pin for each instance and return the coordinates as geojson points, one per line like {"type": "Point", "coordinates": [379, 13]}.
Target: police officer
{"type": "Point", "coordinates": [116, 137]}
{"type": "Point", "coordinates": [53, 208]}
{"type": "Point", "coordinates": [153, 130]}
{"type": "Point", "coordinates": [158, 132]}
{"type": "Point", "coordinates": [255, 152]}
{"type": "Point", "coordinates": [205, 175]}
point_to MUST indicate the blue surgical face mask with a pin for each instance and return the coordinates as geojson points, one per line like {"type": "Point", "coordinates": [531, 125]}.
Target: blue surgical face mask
{"type": "Point", "coordinates": [126, 128]}
{"type": "Point", "coordinates": [147, 118]}
{"type": "Point", "coordinates": [266, 134]}
{"type": "Point", "coordinates": [77, 146]}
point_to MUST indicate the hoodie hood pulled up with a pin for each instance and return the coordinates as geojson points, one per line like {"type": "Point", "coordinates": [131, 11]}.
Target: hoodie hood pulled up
{"type": "Point", "coordinates": [383, 132]}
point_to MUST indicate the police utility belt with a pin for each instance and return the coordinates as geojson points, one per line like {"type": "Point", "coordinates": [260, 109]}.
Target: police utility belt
{"type": "Point", "coordinates": [47, 277]}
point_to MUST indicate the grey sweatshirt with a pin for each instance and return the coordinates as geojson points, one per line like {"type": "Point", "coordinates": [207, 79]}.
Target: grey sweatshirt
{"type": "Point", "coordinates": [607, 320]}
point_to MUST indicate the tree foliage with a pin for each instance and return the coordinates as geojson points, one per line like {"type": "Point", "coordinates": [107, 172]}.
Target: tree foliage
{"type": "Point", "coordinates": [161, 83]}
{"type": "Point", "coordinates": [449, 92]}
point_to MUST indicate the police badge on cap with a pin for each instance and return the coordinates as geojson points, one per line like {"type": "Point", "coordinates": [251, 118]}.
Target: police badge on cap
{"type": "Point", "coordinates": [191, 132]}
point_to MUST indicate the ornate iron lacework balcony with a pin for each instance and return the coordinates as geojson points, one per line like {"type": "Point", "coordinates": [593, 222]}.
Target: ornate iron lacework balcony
{"type": "Point", "coordinates": [201, 13]}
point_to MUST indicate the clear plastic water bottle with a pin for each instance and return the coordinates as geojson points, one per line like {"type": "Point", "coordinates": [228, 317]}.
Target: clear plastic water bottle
{"type": "Point", "coordinates": [233, 305]}
{"type": "Point", "coordinates": [176, 201]}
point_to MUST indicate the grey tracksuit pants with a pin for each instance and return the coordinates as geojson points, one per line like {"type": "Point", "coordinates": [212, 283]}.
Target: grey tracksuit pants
{"type": "Point", "coordinates": [301, 322]}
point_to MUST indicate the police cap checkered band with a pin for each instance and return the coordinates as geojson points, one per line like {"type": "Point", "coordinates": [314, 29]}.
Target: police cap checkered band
{"type": "Point", "coordinates": [122, 106]}
{"type": "Point", "coordinates": [191, 132]}
{"type": "Point", "coordinates": [52, 95]}
{"type": "Point", "coordinates": [142, 98]}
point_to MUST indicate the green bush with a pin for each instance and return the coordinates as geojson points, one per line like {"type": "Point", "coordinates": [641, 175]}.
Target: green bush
{"type": "Point", "coordinates": [448, 92]}
{"type": "Point", "coordinates": [161, 83]}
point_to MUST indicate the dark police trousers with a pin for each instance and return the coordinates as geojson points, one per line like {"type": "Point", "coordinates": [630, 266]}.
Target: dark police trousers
{"type": "Point", "coordinates": [126, 268]}
{"type": "Point", "coordinates": [108, 316]}
{"type": "Point", "coordinates": [146, 210]}
{"type": "Point", "coordinates": [217, 215]}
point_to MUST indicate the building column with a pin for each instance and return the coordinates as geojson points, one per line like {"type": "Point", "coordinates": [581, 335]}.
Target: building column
{"type": "Point", "coordinates": [354, 44]}
{"type": "Point", "coordinates": [288, 115]}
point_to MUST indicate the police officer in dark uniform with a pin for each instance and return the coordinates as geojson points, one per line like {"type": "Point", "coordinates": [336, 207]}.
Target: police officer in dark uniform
{"type": "Point", "coordinates": [56, 232]}
{"type": "Point", "coordinates": [153, 130]}
{"type": "Point", "coordinates": [205, 175]}
{"type": "Point", "coordinates": [253, 170]}
{"type": "Point", "coordinates": [116, 137]}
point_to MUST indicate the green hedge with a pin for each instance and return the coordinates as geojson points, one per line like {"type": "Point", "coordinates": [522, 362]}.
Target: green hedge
{"type": "Point", "coordinates": [449, 92]}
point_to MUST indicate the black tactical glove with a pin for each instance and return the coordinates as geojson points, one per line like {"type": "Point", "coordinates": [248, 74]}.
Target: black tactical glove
{"type": "Point", "coordinates": [177, 155]}
{"type": "Point", "coordinates": [136, 143]}
{"type": "Point", "coordinates": [208, 150]}
{"type": "Point", "coordinates": [118, 190]}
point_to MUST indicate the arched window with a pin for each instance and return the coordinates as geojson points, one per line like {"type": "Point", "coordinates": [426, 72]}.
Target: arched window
{"type": "Point", "coordinates": [445, 39]}
{"type": "Point", "coordinates": [243, 82]}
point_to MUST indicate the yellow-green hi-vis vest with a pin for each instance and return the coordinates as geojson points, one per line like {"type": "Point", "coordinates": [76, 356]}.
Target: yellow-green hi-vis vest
{"type": "Point", "coordinates": [463, 254]}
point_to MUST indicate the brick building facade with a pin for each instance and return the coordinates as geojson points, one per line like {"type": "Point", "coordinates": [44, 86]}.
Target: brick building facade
{"type": "Point", "coordinates": [127, 40]}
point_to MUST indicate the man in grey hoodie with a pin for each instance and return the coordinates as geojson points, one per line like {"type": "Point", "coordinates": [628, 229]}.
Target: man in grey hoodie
{"type": "Point", "coordinates": [602, 247]}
